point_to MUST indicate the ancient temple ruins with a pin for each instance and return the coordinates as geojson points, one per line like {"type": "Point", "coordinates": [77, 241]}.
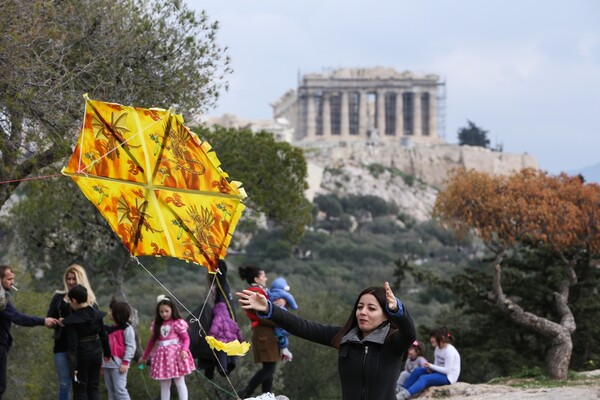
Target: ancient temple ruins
{"type": "Point", "coordinates": [364, 104]}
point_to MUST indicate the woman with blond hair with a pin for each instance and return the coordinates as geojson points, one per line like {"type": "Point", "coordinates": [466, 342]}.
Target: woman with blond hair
{"type": "Point", "coordinates": [60, 308]}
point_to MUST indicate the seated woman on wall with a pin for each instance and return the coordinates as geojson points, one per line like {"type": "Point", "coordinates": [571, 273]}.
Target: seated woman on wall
{"type": "Point", "coordinates": [444, 371]}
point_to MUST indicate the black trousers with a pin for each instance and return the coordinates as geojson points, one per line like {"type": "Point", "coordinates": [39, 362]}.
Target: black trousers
{"type": "Point", "coordinates": [264, 376]}
{"type": "Point", "coordinates": [89, 362]}
{"type": "Point", "coordinates": [3, 366]}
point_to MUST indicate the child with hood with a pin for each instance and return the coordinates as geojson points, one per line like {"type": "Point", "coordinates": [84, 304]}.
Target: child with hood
{"type": "Point", "coordinates": [280, 290]}
{"type": "Point", "coordinates": [88, 342]}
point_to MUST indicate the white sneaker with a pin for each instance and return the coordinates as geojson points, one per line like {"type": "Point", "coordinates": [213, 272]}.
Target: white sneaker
{"type": "Point", "coordinates": [403, 394]}
{"type": "Point", "coordinates": [264, 396]}
{"type": "Point", "coordinates": [286, 355]}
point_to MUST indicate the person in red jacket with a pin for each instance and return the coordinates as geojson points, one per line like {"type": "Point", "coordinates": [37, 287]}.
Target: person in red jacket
{"type": "Point", "coordinates": [264, 341]}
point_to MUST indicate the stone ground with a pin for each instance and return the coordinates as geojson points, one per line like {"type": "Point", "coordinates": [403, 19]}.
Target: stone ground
{"type": "Point", "coordinates": [587, 387]}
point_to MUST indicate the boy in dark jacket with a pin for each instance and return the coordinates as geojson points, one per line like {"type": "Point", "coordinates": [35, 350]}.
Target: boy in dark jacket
{"type": "Point", "coordinates": [87, 341]}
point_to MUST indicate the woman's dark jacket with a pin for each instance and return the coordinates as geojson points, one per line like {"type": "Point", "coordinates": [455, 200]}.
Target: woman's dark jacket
{"type": "Point", "coordinates": [59, 309]}
{"type": "Point", "coordinates": [368, 368]}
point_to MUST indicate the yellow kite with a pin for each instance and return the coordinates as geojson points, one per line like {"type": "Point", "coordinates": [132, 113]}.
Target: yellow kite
{"type": "Point", "coordinates": [159, 186]}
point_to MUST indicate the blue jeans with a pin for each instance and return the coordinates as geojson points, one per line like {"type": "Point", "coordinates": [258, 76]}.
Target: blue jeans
{"type": "Point", "coordinates": [420, 379]}
{"type": "Point", "coordinates": [61, 363]}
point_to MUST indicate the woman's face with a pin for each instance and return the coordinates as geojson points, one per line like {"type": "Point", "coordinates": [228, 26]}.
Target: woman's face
{"type": "Point", "coordinates": [261, 279]}
{"type": "Point", "coordinates": [433, 341]}
{"type": "Point", "coordinates": [71, 280]}
{"type": "Point", "coordinates": [369, 314]}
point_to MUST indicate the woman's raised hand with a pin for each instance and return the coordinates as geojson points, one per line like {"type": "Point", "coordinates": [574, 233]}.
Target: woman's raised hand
{"type": "Point", "coordinates": [392, 303]}
{"type": "Point", "coordinates": [251, 300]}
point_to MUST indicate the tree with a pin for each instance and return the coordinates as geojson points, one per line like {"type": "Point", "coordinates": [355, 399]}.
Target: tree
{"type": "Point", "coordinates": [528, 209]}
{"type": "Point", "coordinates": [472, 135]}
{"type": "Point", "coordinates": [330, 204]}
{"type": "Point", "coordinates": [272, 173]}
{"type": "Point", "coordinates": [54, 225]}
{"type": "Point", "coordinates": [148, 53]}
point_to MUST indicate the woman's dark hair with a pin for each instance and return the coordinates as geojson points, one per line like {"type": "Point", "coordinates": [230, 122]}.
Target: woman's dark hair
{"type": "Point", "coordinates": [379, 293]}
{"type": "Point", "coordinates": [120, 312]}
{"type": "Point", "coordinates": [442, 334]}
{"type": "Point", "coordinates": [249, 272]}
{"type": "Point", "coordinates": [158, 321]}
{"type": "Point", "coordinates": [79, 293]}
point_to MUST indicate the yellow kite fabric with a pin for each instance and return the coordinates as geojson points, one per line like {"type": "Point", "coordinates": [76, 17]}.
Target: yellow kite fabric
{"type": "Point", "coordinates": [234, 348]}
{"type": "Point", "coordinates": [159, 186]}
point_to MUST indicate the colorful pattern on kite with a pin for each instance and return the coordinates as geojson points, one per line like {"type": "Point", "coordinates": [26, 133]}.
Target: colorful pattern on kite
{"type": "Point", "coordinates": [159, 186]}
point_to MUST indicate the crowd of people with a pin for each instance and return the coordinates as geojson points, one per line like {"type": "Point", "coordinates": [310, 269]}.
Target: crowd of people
{"type": "Point", "coordinates": [379, 356]}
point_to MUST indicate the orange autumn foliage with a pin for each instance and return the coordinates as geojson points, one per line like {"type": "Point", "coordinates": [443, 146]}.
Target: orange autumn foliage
{"type": "Point", "coordinates": [527, 206]}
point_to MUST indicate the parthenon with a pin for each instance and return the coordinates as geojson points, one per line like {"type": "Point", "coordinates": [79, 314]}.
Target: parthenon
{"type": "Point", "coordinates": [361, 104]}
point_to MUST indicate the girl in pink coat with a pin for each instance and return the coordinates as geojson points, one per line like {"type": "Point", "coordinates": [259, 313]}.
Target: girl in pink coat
{"type": "Point", "coordinates": [169, 345]}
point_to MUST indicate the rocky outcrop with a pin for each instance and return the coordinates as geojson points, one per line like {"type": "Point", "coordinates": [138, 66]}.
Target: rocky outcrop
{"type": "Point", "coordinates": [586, 386]}
{"type": "Point", "coordinates": [465, 391]}
{"type": "Point", "coordinates": [408, 175]}
{"type": "Point", "coordinates": [414, 198]}
{"type": "Point", "coordinates": [430, 163]}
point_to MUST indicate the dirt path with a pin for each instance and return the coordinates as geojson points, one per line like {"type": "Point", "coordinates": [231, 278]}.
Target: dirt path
{"type": "Point", "coordinates": [585, 388]}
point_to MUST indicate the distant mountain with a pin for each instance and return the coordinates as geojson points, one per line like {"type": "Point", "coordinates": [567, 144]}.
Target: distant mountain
{"type": "Point", "coordinates": [590, 173]}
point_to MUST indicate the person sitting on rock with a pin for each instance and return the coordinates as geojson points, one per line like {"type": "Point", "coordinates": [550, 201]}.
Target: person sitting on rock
{"type": "Point", "coordinates": [444, 371]}
{"type": "Point", "coordinates": [414, 360]}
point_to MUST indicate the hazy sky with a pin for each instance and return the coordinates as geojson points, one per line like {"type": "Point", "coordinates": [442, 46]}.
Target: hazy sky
{"type": "Point", "coordinates": [527, 71]}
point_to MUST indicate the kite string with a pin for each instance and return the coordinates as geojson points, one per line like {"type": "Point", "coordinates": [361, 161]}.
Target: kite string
{"type": "Point", "coordinates": [32, 178]}
{"type": "Point", "coordinates": [194, 319]}
{"type": "Point", "coordinates": [197, 319]}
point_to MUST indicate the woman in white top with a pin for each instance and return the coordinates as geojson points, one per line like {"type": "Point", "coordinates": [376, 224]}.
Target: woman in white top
{"type": "Point", "coordinates": [444, 371]}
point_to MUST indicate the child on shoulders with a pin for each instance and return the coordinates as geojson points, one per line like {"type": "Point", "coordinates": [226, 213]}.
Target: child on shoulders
{"type": "Point", "coordinates": [280, 293]}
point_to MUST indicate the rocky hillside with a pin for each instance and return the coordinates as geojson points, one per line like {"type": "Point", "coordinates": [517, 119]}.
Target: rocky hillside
{"type": "Point", "coordinates": [413, 197]}
{"type": "Point", "coordinates": [429, 163]}
{"type": "Point", "coordinates": [585, 386]}
{"type": "Point", "coordinates": [407, 175]}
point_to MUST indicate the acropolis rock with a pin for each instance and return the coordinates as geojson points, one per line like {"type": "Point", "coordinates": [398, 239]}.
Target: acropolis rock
{"type": "Point", "coordinates": [429, 163]}
{"type": "Point", "coordinates": [410, 176]}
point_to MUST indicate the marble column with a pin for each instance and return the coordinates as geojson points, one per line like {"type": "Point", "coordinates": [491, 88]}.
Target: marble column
{"type": "Point", "coordinates": [380, 113]}
{"type": "Point", "coordinates": [433, 114]}
{"type": "Point", "coordinates": [399, 114]}
{"type": "Point", "coordinates": [345, 115]}
{"type": "Point", "coordinates": [326, 115]}
{"type": "Point", "coordinates": [311, 117]}
{"type": "Point", "coordinates": [362, 114]}
{"type": "Point", "coordinates": [417, 114]}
